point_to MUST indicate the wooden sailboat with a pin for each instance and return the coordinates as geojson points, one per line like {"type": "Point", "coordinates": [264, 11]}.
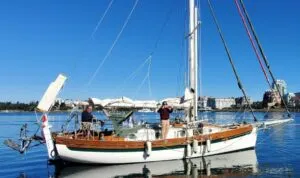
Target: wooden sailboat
{"type": "Point", "coordinates": [184, 140]}
{"type": "Point", "coordinates": [188, 139]}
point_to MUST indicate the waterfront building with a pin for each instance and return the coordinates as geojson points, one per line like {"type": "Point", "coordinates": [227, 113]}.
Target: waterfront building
{"type": "Point", "coordinates": [282, 86]}
{"type": "Point", "coordinates": [203, 102]}
{"type": "Point", "coordinates": [241, 101]}
{"type": "Point", "coordinates": [295, 101]}
{"type": "Point", "coordinates": [221, 103]}
{"type": "Point", "coordinates": [297, 94]}
{"type": "Point", "coordinates": [290, 99]}
{"type": "Point", "coordinates": [271, 98]}
{"type": "Point", "coordinates": [59, 101]}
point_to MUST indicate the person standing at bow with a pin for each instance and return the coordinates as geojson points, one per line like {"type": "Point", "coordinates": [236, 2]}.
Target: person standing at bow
{"type": "Point", "coordinates": [164, 112]}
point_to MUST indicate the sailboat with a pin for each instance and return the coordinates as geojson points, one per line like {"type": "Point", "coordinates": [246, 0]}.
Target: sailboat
{"type": "Point", "coordinates": [188, 138]}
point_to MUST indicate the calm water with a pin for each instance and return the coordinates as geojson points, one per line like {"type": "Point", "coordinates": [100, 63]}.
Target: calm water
{"type": "Point", "coordinates": [277, 153]}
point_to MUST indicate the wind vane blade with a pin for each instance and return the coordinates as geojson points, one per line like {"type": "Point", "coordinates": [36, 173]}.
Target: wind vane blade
{"type": "Point", "coordinates": [51, 93]}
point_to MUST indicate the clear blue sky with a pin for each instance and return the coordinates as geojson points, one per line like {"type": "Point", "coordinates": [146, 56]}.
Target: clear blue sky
{"type": "Point", "coordinates": [40, 39]}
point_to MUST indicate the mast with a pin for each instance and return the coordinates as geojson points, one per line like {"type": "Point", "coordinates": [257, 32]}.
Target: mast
{"type": "Point", "coordinates": [193, 56]}
{"type": "Point", "coordinates": [196, 64]}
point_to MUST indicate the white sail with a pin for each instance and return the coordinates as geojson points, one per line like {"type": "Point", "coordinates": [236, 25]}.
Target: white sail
{"type": "Point", "coordinates": [51, 93]}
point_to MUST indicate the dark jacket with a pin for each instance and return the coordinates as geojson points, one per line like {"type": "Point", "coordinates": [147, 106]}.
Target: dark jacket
{"type": "Point", "coordinates": [164, 113]}
{"type": "Point", "coordinates": [86, 116]}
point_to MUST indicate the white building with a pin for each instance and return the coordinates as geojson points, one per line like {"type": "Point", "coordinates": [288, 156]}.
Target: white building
{"type": "Point", "coordinates": [290, 99]}
{"type": "Point", "coordinates": [241, 101]}
{"type": "Point", "coordinates": [220, 103]}
{"type": "Point", "coordinates": [282, 86]}
{"type": "Point", "coordinates": [203, 102]}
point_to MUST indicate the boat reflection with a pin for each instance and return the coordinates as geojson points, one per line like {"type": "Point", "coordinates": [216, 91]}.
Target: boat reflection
{"type": "Point", "coordinates": [233, 164]}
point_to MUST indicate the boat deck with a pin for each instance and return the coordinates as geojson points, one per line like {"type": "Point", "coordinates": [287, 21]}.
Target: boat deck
{"type": "Point", "coordinates": [210, 132]}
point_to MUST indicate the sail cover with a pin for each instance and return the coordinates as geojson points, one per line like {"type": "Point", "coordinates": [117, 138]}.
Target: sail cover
{"type": "Point", "coordinates": [51, 93]}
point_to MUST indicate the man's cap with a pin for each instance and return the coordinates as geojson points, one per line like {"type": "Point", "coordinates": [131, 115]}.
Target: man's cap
{"type": "Point", "coordinates": [164, 103]}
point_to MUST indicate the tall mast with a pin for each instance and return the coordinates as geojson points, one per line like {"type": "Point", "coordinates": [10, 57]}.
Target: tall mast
{"type": "Point", "coordinates": [196, 64]}
{"type": "Point", "coordinates": [193, 56]}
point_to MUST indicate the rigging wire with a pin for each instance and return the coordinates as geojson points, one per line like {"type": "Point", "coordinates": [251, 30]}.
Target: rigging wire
{"type": "Point", "coordinates": [263, 55]}
{"type": "Point", "coordinates": [230, 58]}
{"type": "Point", "coordinates": [89, 42]}
{"type": "Point", "coordinates": [101, 19]}
{"type": "Point", "coordinates": [114, 43]}
{"type": "Point", "coordinates": [144, 80]}
{"type": "Point", "coordinates": [158, 39]}
{"type": "Point", "coordinates": [253, 44]}
{"type": "Point", "coordinates": [181, 74]}
{"type": "Point", "coordinates": [199, 51]}
{"type": "Point", "coordinates": [149, 58]}
{"type": "Point", "coordinates": [133, 74]}
{"type": "Point", "coordinates": [149, 81]}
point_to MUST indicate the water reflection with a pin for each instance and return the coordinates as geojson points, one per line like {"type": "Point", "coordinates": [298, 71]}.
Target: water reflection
{"type": "Point", "coordinates": [233, 164]}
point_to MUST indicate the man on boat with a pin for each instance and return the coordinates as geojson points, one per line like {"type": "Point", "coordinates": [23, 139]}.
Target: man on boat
{"type": "Point", "coordinates": [164, 112]}
{"type": "Point", "coordinates": [87, 118]}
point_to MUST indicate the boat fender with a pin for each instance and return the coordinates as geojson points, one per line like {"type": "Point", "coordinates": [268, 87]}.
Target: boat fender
{"type": "Point", "coordinates": [208, 169]}
{"type": "Point", "coordinates": [208, 145]}
{"type": "Point", "coordinates": [195, 171]}
{"type": "Point", "coordinates": [148, 148]}
{"type": "Point", "coordinates": [195, 146]}
{"type": "Point", "coordinates": [188, 150]}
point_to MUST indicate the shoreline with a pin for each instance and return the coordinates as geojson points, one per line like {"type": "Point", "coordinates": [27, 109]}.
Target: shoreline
{"type": "Point", "coordinates": [213, 110]}
{"type": "Point", "coordinates": [256, 110]}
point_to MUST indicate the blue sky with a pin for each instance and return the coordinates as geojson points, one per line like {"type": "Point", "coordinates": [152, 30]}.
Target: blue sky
{"type": "Point", "coordinates": [40, 39]}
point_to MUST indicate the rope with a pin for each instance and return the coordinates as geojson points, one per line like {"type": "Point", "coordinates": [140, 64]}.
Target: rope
{"type": "Point", "coordinates": [253, 45]}
{"type": "Point", "coordinates": [263, 54]}
{"type": "Point", "coordinates": [114, 43]}
{"type": "Point", "coordinates": [101, 19]}
{"type": "Point", "coordinates": [230, 59]}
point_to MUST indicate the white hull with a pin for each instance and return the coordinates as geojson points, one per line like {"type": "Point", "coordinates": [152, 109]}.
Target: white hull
{"type": "Point", "coordinates": [123, 157]}
{"type": "Point", "coordinates": [239, 160]}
